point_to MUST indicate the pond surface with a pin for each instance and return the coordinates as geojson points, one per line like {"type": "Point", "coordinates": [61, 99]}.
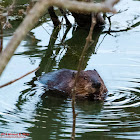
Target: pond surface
{"type": "Point", "coordinates": [115, 54]}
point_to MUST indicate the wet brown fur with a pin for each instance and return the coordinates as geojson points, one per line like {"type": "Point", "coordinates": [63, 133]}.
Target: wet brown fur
{"type": "Point", "coordinates": [62, 82]}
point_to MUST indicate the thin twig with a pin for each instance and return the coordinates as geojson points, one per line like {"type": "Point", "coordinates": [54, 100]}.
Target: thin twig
{"type": "Point", "coordinates": [9, 12]}
{"type": "Point", "coordinates": [18, 78]}
{"type": "Point", "coordinates": [100, 43]}
{"type": "Point", "coordinates": [87, 45]}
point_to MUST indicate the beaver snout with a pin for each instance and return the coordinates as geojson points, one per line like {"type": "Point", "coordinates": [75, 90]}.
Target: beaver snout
{"type": "Point", "coordinates": [96, 85]}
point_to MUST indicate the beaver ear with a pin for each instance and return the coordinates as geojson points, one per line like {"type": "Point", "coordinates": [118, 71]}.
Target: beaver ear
{"type": "Point", "coordinates": [73, 75]}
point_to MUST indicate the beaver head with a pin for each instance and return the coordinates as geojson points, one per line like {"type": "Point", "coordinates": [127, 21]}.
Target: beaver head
{"type": "Point", "coordinates": [90, 85]}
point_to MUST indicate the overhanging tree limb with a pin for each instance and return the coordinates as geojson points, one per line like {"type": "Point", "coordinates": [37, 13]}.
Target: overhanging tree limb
{"type": "Point", "coordinates": [106, 6]}
{"type": "Point", "coordinates": [38, 10]}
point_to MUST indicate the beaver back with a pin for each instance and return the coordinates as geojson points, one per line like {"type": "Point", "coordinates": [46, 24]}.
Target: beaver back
{"type": "Point", "coordinates": [58, 80]}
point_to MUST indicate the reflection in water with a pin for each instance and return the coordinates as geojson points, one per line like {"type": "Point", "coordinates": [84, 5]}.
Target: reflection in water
{"type": "Point", "coordinates": [58, 56]}
{"type": "Point", "coordinates": [117, 60]}
{"type": "Point", "coordinates": [75, 47]}
{"type": "Point", "coordinates": [51, 118]}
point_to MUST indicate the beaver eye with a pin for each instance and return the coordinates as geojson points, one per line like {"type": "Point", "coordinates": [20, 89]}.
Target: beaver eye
{"type": "Point", "coordinates": [85, 78]}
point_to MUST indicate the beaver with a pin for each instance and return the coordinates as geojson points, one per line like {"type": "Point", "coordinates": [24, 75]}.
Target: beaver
{"type": "Point", "coordinates": [89, 84]}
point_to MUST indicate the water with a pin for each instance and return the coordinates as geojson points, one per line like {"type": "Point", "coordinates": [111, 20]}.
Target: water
{"type": "Point", "coordinates": [116, 57]}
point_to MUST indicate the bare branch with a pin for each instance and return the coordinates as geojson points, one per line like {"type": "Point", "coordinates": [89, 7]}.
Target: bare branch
{"type": "Point", "coordinates": [30, 20]}
{"type": "Point", "coordinates": [106, 6]}
{"type": "Point", "coordinates": [37, 11]}
{"type": "Point", "coordinates": [18, 78]}
{"type": "Point", "coordinates": [87, 45]}
{"type": "Point", "coordinates": [110, 4]}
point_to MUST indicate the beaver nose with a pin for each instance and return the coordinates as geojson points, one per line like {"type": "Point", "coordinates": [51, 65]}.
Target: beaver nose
{"type": "Point", "coordinates": [96, 85]}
